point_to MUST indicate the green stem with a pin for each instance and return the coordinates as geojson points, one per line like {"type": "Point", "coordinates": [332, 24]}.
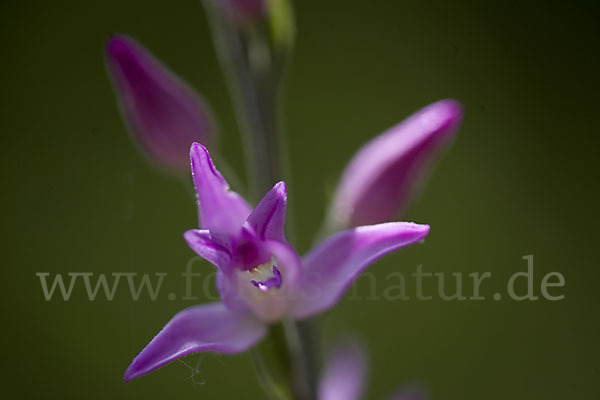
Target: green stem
{"type": "Point", "coordinates": [267, 382]}
{"type": "Point", "coordinates": [255, 91]}
{"type": "Point", "coordinates": [254, 75]}
{"type": "Point", "coordinates": [299, 336]}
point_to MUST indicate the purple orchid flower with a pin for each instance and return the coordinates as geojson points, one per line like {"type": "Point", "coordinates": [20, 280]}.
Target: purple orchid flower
{"type": "Point", "coordinates": [260, 277]}
{"type": "Point", "coordinates": [382, 178]}
{"type": "Point", "coordinates": [165, 115]}
{"type": "Point", "coordinates": [345, 375]}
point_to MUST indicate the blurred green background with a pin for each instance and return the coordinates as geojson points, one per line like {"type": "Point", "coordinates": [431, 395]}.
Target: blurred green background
{"type": "Point", "coordinates": [522, 178]}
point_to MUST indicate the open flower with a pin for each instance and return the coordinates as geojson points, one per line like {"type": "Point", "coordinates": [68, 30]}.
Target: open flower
{"type": "Point", "coordinates": [260, 277]}
{"type": "Point", "coordinates": [384, 175]}
{"type": "Point", "coordinates": [345, 375]}
{"type": "Point", "coordinates": [165, 115]}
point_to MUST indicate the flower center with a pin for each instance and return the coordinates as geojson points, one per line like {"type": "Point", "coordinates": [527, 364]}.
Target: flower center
{"type": "Point", "coordinates": [265, 276]}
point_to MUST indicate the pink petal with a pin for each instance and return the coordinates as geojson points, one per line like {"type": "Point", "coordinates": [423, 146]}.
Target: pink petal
{"type": "Point", "coordinates": [332, 266]}
{"type": "Point", "coordinates": [220, 209]}
{"type": "Point", "coordinates": [209, 327]}
{"type": "Point", "coordinates": [267, 220]}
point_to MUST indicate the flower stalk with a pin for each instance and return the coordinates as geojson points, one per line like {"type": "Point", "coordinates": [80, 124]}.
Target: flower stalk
{"type": "Point", "coordinates": [254, 66]}
{"type": "Point", "coordinates": [270, 386]}
{"type": "Point", "coordinates": [254, 54]}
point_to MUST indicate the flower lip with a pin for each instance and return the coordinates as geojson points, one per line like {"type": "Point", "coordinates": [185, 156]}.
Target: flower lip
{"type": "Point", "coordinates": [272, 282]}
{"type": "Point", "coordinates": [265, 288]}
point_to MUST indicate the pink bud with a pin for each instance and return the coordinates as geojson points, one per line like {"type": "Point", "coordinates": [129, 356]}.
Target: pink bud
{"type": "Point", "coordinates": [383, 176]}
{"type": "Point", "coordinates": [165, 115]}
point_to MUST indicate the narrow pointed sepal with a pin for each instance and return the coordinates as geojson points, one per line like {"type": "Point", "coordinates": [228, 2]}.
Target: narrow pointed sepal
{"type": "Point", "coordinates": [332, 266]}
{"type": "Point", "coordinates": [267, 220]}
{"type": "Point", "coordinates": [207, 328]}
{"type": "Point", "coordinates": [220, 209]}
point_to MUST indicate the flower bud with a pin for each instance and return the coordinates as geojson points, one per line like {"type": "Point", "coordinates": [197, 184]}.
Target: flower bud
{"type": "Point", "coordinates": [164, 114]}
{"type": "Point", "coordinates": [384, 175]}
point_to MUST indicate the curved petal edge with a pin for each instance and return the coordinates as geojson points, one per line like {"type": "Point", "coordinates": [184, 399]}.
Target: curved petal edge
{"type": "Point", "coordinates": [331, 267]}
{"type": "Point", "coordinates": [210, 327]}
